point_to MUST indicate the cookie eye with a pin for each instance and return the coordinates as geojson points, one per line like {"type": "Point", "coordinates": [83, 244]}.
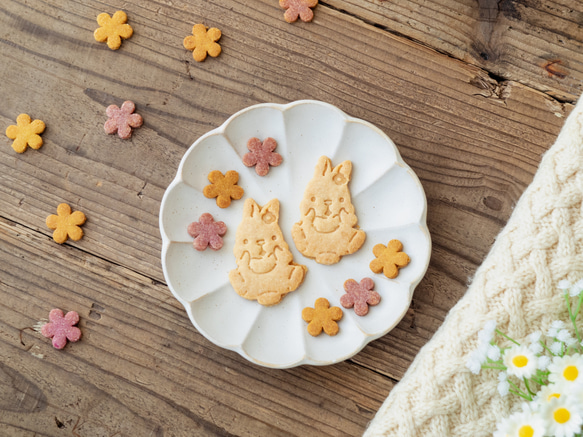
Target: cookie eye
{"type": "Point", "coordinates": [339, 179]}
{"type": "Point", "coordinates": [245, 241]}
{"type": "Point", "coordinates": [274, 237]}
{"type": "Point", "coordinates": [313, 199]}
{"type": "Point", "coordinates": [341, 199]}
{"type": "Point", "coordinates": [268, 218]}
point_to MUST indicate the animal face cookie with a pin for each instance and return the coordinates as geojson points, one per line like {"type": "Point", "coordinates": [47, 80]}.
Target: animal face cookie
{"type": "Point", "coordinates": [326, 231]}
{"type": "Point", "coordinates": [265, 269]}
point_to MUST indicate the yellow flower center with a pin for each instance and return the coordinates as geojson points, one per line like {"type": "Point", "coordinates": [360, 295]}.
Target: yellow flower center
{"type": "Point", "coordinates": [520, 361]}
{"type": "Point", "coordinates": [525, 431]}
{"type": "Point", "coordinates": [553, 395]}
{"type": "Point", "coordinates": [571, 373]}
{"type": "Point", "coordinates": [561, 415]}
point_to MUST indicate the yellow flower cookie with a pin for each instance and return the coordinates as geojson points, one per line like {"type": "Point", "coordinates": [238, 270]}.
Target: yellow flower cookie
{"type": "Point", "coordinates": [25, 133]}
{"type": "Point", "coordinates": [389, 259]}
{"type": "Point", "coordinates": [66, 224]}
{"type": "Point", "coordinates": [203, 41]}
{"type": "Point", "coordinates": [223, 187]}
{"type": "Point", "coordinates": [113, 29]}
{"type": "Point", "coordinates": [322, 317]}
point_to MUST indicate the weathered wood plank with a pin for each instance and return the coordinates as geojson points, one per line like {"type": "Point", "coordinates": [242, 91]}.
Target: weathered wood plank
{"type": "Point", "coordinates": [474, 141]}
{"type": "Point", "coordinates": [141, 368]}
{"type": "Point", "coordinates": [537, 43]}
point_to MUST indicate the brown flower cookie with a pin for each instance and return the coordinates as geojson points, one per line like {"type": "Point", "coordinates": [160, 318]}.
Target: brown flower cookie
{"type": "Point", "coordinates": [389, 259]}
{"type": "Point", "coordinates": [66, 224]}
{"type": "Point", "coordinates": [203, 41]}
{"type": "Point", "coordinates": [327, 230]}
{"type": "Point", "coordinates": [322, 317]}
{"type": "Point", "coordinates": [265, 269]}
{"type": "Point", "coordinates": [25, 133]}
{"type": "Point", "coordinates": [223, 187]}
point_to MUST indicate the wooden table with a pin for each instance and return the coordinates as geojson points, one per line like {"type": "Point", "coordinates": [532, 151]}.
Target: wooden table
{"type": "Point", "coordinates": [472, 93]}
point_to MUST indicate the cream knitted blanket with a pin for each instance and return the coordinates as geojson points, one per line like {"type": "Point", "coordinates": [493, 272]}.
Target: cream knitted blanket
{"type": "Point", "coordinates": [517, 286]}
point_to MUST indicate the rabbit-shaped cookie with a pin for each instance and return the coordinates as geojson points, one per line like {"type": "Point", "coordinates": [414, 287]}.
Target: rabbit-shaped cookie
{"type": "Point", "coordinates": [265, 268]}
{"type": "Point", "coordinates": [327, 231]}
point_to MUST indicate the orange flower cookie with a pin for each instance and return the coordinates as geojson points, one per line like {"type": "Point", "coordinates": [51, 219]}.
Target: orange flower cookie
{"type": "Point", "coordinates": [203, 41]}
{"type": "Point", "coordinates": [66, 224]}
{"type": "Point", "coordinates": [113, 29]}
{"type": "Point", "coordinates": [322, 317]}
{"type": "Point", "coordinates": [25, 133]}
{"type": "Point", "coordinates": [389, 259]}
{"type": "Point", "coordinates": [223, 187]}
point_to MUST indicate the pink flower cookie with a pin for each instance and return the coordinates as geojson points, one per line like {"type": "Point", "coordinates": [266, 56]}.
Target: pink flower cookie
{"type": "Point", "coordinates": [298, 8]}
{"type": "Point", "coordinates": [122, 120]}
{"type": "Point", "coordinates": [359, 296]}
{"type": "Point", "coordinates": [207, 232]}
{"type": "Point", "coordinates": [61, 328]}
{"type": "Point", "coordinates": [262, 155]}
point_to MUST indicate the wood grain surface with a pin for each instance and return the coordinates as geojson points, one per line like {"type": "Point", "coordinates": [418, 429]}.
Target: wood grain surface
{"type": "Point", "coordinates": [471, 92]}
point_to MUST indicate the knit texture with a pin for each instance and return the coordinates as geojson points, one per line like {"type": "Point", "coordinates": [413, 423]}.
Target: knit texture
{"type": "Point", "coordinates": [516, 285]}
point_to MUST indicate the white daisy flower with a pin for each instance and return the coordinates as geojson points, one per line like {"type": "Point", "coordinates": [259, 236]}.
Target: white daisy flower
{"type": "Point", "coordinates": [543, 362]}
{"type": "Point", "coordinates": [493, 352]}
{"type": "Point", "coordinates": [485, 336]}
{"type": "Point", "coordinates": [577, 288]}
{"type": "Point", "coordinates": [571, 342]}
{"type": "Point", "coordinates": [534, 337]}
{"type": "Point", "coordinates": [521, 424]}
{"type": "Point", "coordinates": [563, 335]}
{"type": "Point", "coordinates": [474, 364]}
{"type": "Point", "coordinates": [556, 326]}
{"type": "Point", "coordinates": [520, 361]}
{"type": "Point", "coordinates": [568, 369]}
{"type": "Point", "coordinates": [562, 417]}
{"type": "Point", "coordinates": [503, 384]}
{"type": "Point", "coordinates": [557, 348]}
{"type": "Point", "coordinates": [535, 348]}
{"type": "Point", "coordinates": [551, 391]}
{"type": "Point", "coordinates": [564, 284]}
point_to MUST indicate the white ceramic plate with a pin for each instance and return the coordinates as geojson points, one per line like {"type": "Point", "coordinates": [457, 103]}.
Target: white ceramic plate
{"type": "Point", "coordinates": [389, 202]}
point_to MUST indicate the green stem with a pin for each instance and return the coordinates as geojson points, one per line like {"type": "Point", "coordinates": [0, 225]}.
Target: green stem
{"type": "Point", "coordinates": [485, 366]}
{"type": "Point", "coordinates": [508, 338]}
{"type": "Point", "coordinates": [527, 387]}
{"type": "Point", "coordinates": [571, 316]}
{"type": "Point", "coordinates": [519, 392]}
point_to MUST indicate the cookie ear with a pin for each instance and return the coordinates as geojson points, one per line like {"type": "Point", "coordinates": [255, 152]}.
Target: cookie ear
{"type": "Point", "coordinates": [344, 168]}
{"type": "Point", "coordinates": [271, 207]}
{"type": "Point", "coordinates": [250, 209]}
{"type": "Point", "coordinates": [323, 167]}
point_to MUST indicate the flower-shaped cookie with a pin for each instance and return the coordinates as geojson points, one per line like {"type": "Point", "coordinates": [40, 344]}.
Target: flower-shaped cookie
{"type": "Point", "coordinates": [390, 258]}
{"type": "Point", "coordinates": [66, 224]}
{"type": "Point", "coordinates": [207, 232]}
{"type": "Point", "coordinates": [113, 29]}
{"type": "Point", "coordinates": [322, 317]}
{"type": "Point", "coordinates": [25, 133]}
{"type": "Point", "coordinates": [223, 187]}
{"type": "Point", "coordinates": [298, 8]}
{"type": "Point", "coordinates": [359, 296]}
{"type": "Point", "coordinates": [262, 155]}
{"type": "Point", "coordinates": [62, 328]}
{"type": "Point", "coordinates": [122, 120]}
{"type": "Point", "coordinates": [203, 41]}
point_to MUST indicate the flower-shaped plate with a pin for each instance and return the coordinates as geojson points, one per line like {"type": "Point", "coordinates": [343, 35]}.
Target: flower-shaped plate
{"type": "Point", "coordinates": [390, 204]}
